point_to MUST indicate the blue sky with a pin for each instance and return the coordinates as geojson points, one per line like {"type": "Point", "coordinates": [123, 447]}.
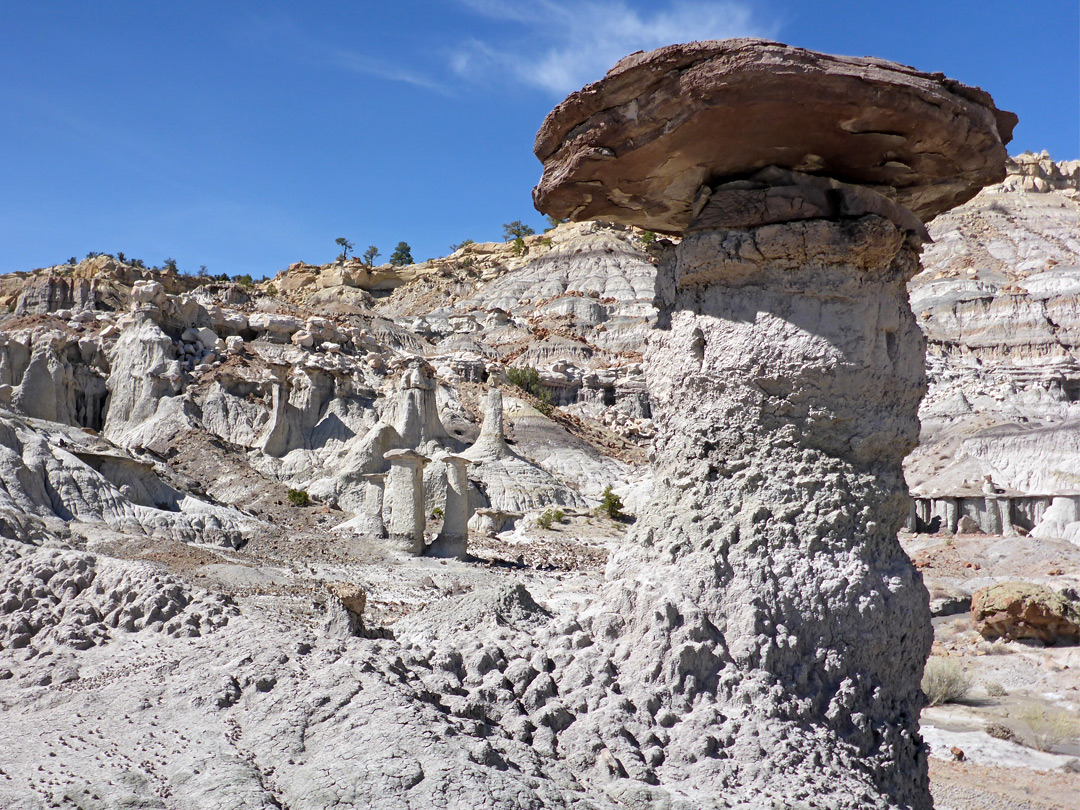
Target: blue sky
{"type": "Point", "coordinates": [247, 135]}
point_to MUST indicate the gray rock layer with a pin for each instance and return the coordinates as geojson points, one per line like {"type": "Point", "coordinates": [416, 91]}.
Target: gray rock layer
{"type": "Point", "coordinates": [787, 376]}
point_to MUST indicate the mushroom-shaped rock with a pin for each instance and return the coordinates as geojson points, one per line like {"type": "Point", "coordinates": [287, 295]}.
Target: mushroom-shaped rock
{"type": "Point", "coordinates": [638, 146]}
{"type": "Point", "coordinates": [785, 374]}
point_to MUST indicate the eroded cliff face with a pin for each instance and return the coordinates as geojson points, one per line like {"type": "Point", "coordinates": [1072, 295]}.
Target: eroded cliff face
{"type": "Point", "coordinates": [998, 303]}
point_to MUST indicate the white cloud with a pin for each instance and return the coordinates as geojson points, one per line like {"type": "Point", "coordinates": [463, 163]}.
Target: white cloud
{"type": "Point", "coordinates": [565, 45]}
{"type": "Point", "coordinates": [360, 63]}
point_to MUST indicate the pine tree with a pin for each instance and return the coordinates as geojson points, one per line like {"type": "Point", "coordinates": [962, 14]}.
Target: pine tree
{"type": "Point", "coordinates": [402, 255]}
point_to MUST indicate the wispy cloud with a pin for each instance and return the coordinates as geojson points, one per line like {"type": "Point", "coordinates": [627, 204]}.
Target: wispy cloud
{"type": "Point", "coordinates": [381, 69]}
{"type": "Point", "coordinates": [564, 45]}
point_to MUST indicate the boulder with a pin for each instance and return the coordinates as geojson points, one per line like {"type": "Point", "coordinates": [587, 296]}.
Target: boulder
{"type": "Point", "coordinates": [1022, 610]}
{"type": "Point", "coordinates": [968, 525]}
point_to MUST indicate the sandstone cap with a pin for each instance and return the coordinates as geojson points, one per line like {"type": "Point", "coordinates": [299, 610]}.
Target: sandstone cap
{"type": "Point", "coordinates": [636, 146]}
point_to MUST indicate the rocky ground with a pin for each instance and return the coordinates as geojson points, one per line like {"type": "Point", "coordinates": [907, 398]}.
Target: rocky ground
{"type": "Point", "coordinates": [168, 635]}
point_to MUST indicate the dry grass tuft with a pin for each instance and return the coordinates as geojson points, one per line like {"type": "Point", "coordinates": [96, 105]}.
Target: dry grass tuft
{"type": "Point", "coordinates": [944, 681]}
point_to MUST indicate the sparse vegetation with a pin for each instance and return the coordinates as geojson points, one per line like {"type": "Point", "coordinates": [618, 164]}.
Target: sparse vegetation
{"type": "Point", "coordinates": [516, 230]}
{"type": "Point", "coordinates": [527, 378]}
{"type": "Point", "coordinates": [520, 248]}
{"type": "Point", "coordinates": [298, 497]}
{"type": "Point", "coordinates": [1000, 731]}
{"type": "Point", "coordinates": [549, 518]}
{"type": "Point", "coordinates": [170, 265]}
{"type": "Point", "coordinates": [611, 504]}
{"type": "Point", "coordinates": [244, 281]}
{"type": "Point", "coordinates": [370, 255]}
{"type": "Point", "coordinates": [461, 244]}
{"type": "Point", "coordinates": [72, 261]}
{"type": "Point", "coordinates": [345, 246]}
{"type": "Point", "coordinates": [402, 255]}
{"type": "Point", "coordinates": [271, 290]}
{"type": "Point", "coordinates": [648, 237]}
{"type": "Point", "coordinates": [1049, 727]}
{"type": "Point", "coordinates": [437, 513]}
{"type": "Point", "coordinates": [553, 222]}
{"type": "Point", "coordinates": [995, 689]}
{"type": "Point", "coordinates": [944, 681]}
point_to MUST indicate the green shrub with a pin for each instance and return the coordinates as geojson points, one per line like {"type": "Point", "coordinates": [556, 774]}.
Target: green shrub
{"type": "Point", "coordinates": [550, 517]}
{"type": "Point", "coordinates": [648, 237]}
{"type": "Point", "coordinates": [520, 248]}
{"type": "Point", "coordinates": [437, 512]}
{"type": "Point", "coordinates": [944, 681]}
{"type": "Point", "coordinates": [271, 290]}
{"type": "Point", "coordinates": [611, 504]}
{"type": "Point", "coordinates": [297, 497]}
{"type": "Point", "coordinates": [527, 378]}
{"type": "Point", "coordinates": [244, 280]}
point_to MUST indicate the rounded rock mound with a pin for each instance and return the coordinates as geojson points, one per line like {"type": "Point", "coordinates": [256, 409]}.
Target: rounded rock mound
{"type": "Point", "coordinates": [637, 146]}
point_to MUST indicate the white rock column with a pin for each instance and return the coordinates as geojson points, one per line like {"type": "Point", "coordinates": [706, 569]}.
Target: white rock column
{"type": "Point", "coordinates": [372, 524]}
{"type": "Point", "coordinates": [1007, 528]}
{"type": "Point", "coordinates": [405, 500]}
{"type": "Point", "coordinates": [952, 516]}
{"type": "Point", "coordinates": [786, 374]}
{"type": "Point", "coordinates": [454, 538]}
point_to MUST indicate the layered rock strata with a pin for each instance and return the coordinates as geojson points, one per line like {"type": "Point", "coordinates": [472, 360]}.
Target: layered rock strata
{"type": "Point", "coordinates": [785, 377]}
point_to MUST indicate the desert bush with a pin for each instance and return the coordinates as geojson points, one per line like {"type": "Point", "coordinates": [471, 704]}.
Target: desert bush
{"type": "Point", "coordinates": [549, 518]}
{"type": "Point", "coordinates": [611, 504]}
{"type": "Point", "coordinates": [527, 378]}
{"type": "Point", "coordinates": [520, 248]}
{"type": "Point", "coordinates": [244, 281]}
{"type": "Point", "coordinates": [1000, 731]}
{"type": "Point", "coordinates": [995, 689]}
{"type": "Point", "coordinates": [298, 497]}
{"type": "Point", "coordinates": [944, 681]}
{"type": "Point", "coordinates": [1049, 728]}
{"type": "Point", "coordinates": [648, 237]}
{"type": "Point", "coordinates": [437, 512]}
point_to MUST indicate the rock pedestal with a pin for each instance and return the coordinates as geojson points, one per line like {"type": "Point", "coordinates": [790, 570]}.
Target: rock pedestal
{"type": "Point", "coordinates": [372, 507]}
{"type": "Point", "coordinates": [405, 500]}
{"type": "Point", "coordinates": [787, 374]}
{"type": "Point", "coordinates": [785, 636]}
{"type": "Point", "coordinates": [454, 538]}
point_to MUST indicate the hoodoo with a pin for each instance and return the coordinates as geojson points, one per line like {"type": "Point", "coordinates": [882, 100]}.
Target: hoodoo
{"type": "Point", "coordinates": [786, 374]}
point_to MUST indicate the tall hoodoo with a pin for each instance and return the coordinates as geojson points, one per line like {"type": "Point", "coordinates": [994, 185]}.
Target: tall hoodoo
{"type": "Point", "coordinates": [453, 540]}
{"type": "Point", "coordinates": [405, 500]}
{"type": "Point", "coordinates": [786, 375]}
